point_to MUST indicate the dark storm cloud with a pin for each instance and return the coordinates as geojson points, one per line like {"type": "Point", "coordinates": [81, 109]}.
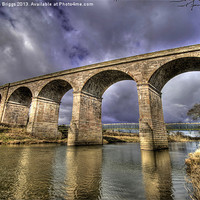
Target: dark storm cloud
{"type": "Point", "coordinates": [40, 40]}
{"type": "Point", "coordinates": [116, 29]}
{"type": "Point", "coordinates": [179, 95]}
{"type": "Point", "coordinates": [4, 15]}
{"type": "Point", "coordinates": [120, 103]}
{"type": "Point", "coordinates": [35, 46]}
{"type": "Point", "coordinates": [64, 20]}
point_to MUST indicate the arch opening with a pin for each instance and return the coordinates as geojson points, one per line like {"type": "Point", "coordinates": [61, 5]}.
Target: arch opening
{"type": "Point", "coordinates": [55, 90]}
{"type": "Point", "coordinates": [98, 83]}
{"type": "Point", "coordinates": [18, 106]}
{"type": "Point", "coordinates": [120, 103]}
{"type": "Point", "coordinates": [179, 95]}
{"type": "Point", "coordinates": [45, 113]}
{"type": "Point", "coordinates": [65, 111]}
{"type": "Point", "coordinates": [22, 96]}
{"type": "Point", "coordinates": [86, 124]}
{"type": "Point", "coordinates": [173, 68]}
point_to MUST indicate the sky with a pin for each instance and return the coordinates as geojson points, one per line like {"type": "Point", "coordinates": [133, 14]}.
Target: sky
{"type": "Point", "coordinates": [37, 40]}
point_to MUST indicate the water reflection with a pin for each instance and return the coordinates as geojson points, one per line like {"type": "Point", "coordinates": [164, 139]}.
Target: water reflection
{"type": "Point", "coordinates": [50, 172]}
{"type": "Point", "coordinates": [83, 172]}
{"type": "Point", "coordinates": [100, 172]}
{"type": "Point", "coordinates": [156, 167]}
{"type": "Point", "coordinates": [8, 175]}
{"type": "Point", "coordinates": [20, 186]}
{"type": "Point", "coordinates": [27, 172]}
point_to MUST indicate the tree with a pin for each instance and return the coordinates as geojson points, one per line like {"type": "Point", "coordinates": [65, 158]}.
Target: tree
{"type": "Point", "coordinates": [187, 3]}
{"type": "Point", "coordinates": [194, 112]}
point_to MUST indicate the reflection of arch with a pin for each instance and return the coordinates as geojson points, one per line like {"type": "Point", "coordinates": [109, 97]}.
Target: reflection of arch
{"type": "Point", "coordinates": [97, 84]}
{"type": "Point", "coordinates": [21, 96]}
{"type": "Point", "coordinates": [173, 68]}
{"type": "Point", "coordinates": [55, 90]}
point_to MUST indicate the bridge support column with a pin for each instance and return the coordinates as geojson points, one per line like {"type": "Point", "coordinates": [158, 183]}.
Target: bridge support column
{"type": "Point", "coordinates": [85, 126]}
{"type": "Point", "coordinates": [151, 123]}
{"type": "Point", "coordinates": [15, 114]}
{"type": "Point", "coordinates": [43, 120]}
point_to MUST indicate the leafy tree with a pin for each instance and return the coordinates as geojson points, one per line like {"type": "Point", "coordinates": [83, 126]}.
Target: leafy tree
{"type": "Point", "coordinates": [194, 112]}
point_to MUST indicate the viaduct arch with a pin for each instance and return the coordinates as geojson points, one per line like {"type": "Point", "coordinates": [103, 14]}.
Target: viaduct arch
{"type": "Point", "coordinates": [35, 102]}
{"type": "Point", "coordinates": [44, 111]}
{"type": "Point", "coordinates": [16, 110]}
{"type": "Point", "coordinates": [89, 113]}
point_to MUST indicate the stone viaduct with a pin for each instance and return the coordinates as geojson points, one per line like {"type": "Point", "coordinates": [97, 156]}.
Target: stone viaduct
{"type": "Point", "coordinates": [35, 102]}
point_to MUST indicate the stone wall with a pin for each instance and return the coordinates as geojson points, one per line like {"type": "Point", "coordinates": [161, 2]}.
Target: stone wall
{"type": "Point", "coordinates": [43, 121]}
{"type": "Point", "coordinates": [15, 114]}
{"type": "Point", "coordinates": [85, 127]}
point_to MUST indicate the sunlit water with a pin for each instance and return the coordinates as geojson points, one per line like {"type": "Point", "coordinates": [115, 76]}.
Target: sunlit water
{"type": "Point", "coordinates": [109, 172]}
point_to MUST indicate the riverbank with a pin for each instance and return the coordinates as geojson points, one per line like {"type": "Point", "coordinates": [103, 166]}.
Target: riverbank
{"type": "Point", "coordinates": [119, 137]}
{"type": "Point", "coordinates": [180, 137]}
{"type": "Point", "coordinates": [115, 137]}
{"type": "Point", "coordinates": [193, 170]}
{"type": "Point", "coordinates": [18, 135]}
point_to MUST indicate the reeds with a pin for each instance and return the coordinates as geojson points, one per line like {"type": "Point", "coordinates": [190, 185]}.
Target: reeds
{"type": "Point", "coordinates": [193, 171]}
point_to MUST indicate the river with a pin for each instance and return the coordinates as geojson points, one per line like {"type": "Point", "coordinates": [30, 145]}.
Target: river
{"type": "Point", "coordinates": [108, 172]}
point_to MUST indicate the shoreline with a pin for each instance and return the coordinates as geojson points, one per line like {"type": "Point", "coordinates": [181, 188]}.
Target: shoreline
{"type": "Point", "coordinates": [30, 142]}
{"type": "Point", "coordinates": [119, 137]}
{"type": "Point", "coordinates": [18, 136]}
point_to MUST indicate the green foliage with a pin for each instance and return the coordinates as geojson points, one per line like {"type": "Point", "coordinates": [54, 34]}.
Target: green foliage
{"type": "Point", "coordinates": [194, 112]}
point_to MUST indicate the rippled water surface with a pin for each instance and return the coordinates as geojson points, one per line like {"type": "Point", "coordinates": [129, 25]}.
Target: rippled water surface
{"type": "Point", "coordinates": [109, 172]}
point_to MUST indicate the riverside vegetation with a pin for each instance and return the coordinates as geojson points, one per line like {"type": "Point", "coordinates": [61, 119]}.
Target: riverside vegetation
{"type": "Point", "coordinates": [18, 135]}
{"type": "Point", "coordinates": [193, 170]}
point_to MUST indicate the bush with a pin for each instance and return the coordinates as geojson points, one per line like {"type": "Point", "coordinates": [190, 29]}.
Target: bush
{"type": "Point", "coordinates": [193, 171]}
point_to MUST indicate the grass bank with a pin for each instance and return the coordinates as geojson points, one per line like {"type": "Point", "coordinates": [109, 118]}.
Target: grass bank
{"type": "Point", "coordinates": [115, 137]}
{"type": "Point", "coordinates": [193, 170]}
{"type": "Point", "coordinates": [180, 137]}
{"type": "Point", "coordinates": [16, 135]}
